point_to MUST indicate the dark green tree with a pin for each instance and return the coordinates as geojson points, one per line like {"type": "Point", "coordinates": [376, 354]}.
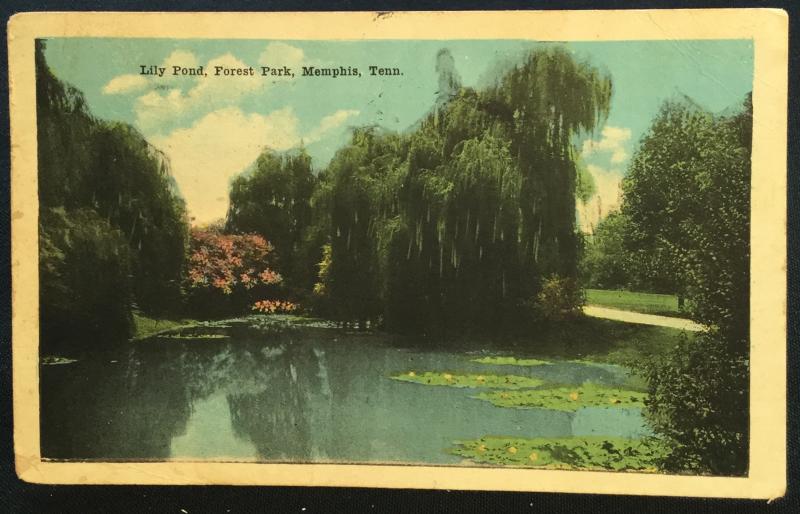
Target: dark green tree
{"type": "Point", "coordinates": [273, 199]}
{"type": "Point", "coordinates": [604, 262]}
{"type": "Point", "coordinates": [84, 277]}
{"type": "Point", "coordinates": [107, 169]}
{"type": "Point", "coordinates": [687, 198]}
{"type": "Point", "coordinates": [455, 225]}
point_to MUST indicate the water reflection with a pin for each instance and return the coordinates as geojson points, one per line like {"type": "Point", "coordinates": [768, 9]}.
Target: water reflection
{"type": "Point", "coordinates": [301, 399]}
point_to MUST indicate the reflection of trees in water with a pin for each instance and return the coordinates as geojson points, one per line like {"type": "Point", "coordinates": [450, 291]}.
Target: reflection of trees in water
{"type": "Point", "coordinates": [279, 399]}
{"type": "Point", "coordinates": [284, 419]}
{"type": "Point", "coordinates": [103, 410]}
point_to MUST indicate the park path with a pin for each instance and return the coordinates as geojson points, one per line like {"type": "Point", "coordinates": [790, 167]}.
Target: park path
{"type": "Point", "coordinates": [643, 319]}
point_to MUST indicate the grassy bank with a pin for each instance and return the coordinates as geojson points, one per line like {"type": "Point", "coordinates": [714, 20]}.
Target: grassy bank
{"type": "Point", "coordinates": [647, 303]}
{"type": "Point", "coordinates": [145, 326]}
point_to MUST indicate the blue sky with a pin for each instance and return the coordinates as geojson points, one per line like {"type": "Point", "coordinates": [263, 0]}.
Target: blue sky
{"type": "Point", "coordinates": [212, 128]}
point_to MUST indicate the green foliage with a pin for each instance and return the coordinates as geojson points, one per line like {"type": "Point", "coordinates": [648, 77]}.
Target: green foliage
{"type": "Point", "coordinates": [453, 226]}
{"type": "Point", "coordinates": [687, 196]}
{"type": "Point", "coordinates": [145, 326]}
{"type": "Point", "coordinates": [436, 378]}
{"type": "Point", "coordinates": [576, 453]}
{"type": "Point", "coordinates": [84, 268]}
{"type": "Point", "coordinates": [560, 299]}
{"type": "Point", "coordinates": [585, 186]}
{"type": "Point", "coordinates": [603, 265]}
{"type": "Point", "coordinates": [699, 402]}
{"type": "Point", "coordinates": [273, 199]}
{"type": "Point", "coordinates": [566, 398]}
{"type": "Point", "coordinates": [96, 171]}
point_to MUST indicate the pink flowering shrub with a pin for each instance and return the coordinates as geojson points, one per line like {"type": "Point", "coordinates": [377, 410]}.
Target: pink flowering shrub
{"type": "Point", "coordinates": [274, 306]}
{"type": "Point", "coordinates": [226, 272]}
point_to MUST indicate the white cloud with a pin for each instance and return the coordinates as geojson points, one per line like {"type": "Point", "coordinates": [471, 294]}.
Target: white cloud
{"type": "Point", "coordinates": [135, 82]}
{"type": "Point", "coordinates": [182, 58]}
{"type": "Point", "coordinates": [218, 146]}
{"type": "Point", "coordinates": [223, 143]}
{"type": "Point", "coordinates": [330, 122]}
{"type": "Point", "coordinates": [613, 141]}
{"type": "Point", "coordinates": [606, 199]}
{"type": "Point", "coordinates": [281, 54]}
{"type": "Point", "coordinates": [209, 92]}
{"type": "Point", "coordinates": [122, 84]}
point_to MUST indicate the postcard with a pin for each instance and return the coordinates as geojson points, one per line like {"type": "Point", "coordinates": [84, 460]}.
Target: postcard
{"type": "Point", "coordinates": [530, 251]}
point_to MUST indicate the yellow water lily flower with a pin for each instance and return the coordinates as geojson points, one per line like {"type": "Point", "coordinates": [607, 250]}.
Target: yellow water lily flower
{"type": "Point", "coordinates": [533, 456]}
{"type": "Point", "coordinates": [412, 374]}
{"type": "Point", "coordinates": [512, 449]}
{"type": "Point", "coordinates": [573, 396]}
{"type": "Point", "coordinates": [480, 378]}
{"type": "Point", "coordinates": [481, 448]}
{"type": "Point", "coordinates": [448, 377]}
{"type": "Point", "coordinates": [613, 400]}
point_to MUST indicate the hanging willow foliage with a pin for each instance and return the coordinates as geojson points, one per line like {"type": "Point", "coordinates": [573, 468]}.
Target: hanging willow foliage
{"type": "Point", "coordinates": [456, 223]}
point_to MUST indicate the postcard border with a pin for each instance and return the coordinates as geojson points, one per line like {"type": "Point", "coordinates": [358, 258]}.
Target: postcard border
{"type": "Point", "coordinates": [768, 28]}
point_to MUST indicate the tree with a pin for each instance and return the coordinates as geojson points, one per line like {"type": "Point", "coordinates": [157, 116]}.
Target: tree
{"type": "Point", "coordinates": [273, 199]}
{"type": "Point", "coordinates": [85, 291]}
{"type": "Point", "coordinates": [87, 166]}
{"type": "Point", "coordinates": [604, 265]}
{"type": "Point", "coordinates": [687, 197]}
{"type": "Point", "coordinates": [456, 224]}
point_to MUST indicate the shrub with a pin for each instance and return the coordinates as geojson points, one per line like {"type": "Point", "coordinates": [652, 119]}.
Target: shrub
{"type": "Point", "coordinates": [699, 402]}
{"type": "Point", "coordinates": [560, 298]}
{"type": "Point", "coordinates": [228, 273]}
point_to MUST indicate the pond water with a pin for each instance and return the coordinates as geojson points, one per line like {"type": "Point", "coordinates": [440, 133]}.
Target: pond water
{"type": "Point", "coordinates": [316, 395]}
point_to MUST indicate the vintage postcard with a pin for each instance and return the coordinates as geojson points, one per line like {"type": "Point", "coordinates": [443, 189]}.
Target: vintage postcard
{"type": "Point", "coordinates": [534, 251]}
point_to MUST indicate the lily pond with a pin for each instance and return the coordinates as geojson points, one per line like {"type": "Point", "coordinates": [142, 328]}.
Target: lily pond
{"type": "Point", "coordinates": [270, 389]}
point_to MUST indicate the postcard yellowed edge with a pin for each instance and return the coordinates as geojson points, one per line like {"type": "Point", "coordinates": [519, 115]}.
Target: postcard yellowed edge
{"type": "Point", "coordinates": [768, 28]}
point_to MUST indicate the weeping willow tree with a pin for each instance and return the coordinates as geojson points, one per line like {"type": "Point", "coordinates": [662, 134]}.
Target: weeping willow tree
{"type": "Point", "coordinates": [273, 199]}
{"type": "Point", "coordinates": [456, 224]}
{"type": "Point", "coordinates": [112, 228]}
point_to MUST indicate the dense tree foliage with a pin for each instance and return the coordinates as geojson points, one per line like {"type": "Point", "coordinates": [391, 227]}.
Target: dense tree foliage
{"type": "Point", "coordinates": [108, 176]}
{"type": "Point", "coordinates": [687, 199]}
{"type": "Point", "coordinates": [604, 261]}
{"type": "Point", "coordinates": [457, 223]}
{"type": "Point", "coordinates": [273, 199]}
{"type": "Point", "coordinates": [85, 287]}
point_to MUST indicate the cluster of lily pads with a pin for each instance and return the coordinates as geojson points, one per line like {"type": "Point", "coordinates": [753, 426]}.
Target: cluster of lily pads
{"type": "Point", "coordinates": [596, 453]}
{"type": "Point", "coordinates": [520, 392]}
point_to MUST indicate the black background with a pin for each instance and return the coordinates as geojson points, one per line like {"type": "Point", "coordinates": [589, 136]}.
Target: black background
{"type": "Point", "coordinates": [17, 496]}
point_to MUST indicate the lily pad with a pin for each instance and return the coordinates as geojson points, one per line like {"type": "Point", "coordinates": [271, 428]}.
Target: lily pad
{"type": "Point", "coordinates": [566, 398]}
{"type": "Point", "coordinates": [575, 453]}
{"type": "Point", "coordinates": [436, 378]}
{"type": "Point", "coordinates": [510, 361]}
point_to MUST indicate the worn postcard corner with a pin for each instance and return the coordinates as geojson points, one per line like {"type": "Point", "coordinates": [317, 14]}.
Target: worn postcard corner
{"type": "Point", "coordinates": [524, 251]}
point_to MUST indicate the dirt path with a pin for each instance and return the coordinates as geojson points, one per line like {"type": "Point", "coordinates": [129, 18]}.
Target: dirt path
{"type": "Point", "coordinates": [643, 319]}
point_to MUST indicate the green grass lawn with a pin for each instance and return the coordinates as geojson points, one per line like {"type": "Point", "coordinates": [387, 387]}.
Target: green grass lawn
{"type": "Point", "coordinates": [648, 303]}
